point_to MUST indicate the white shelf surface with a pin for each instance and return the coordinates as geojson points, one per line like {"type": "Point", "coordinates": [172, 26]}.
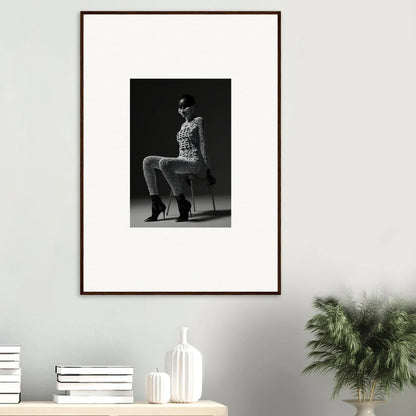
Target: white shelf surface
{"type": "Point", "coordinates": [201, 408]}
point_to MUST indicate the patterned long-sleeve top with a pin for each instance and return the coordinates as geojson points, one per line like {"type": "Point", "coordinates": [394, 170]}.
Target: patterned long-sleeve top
{"type": "Point", "coordinates": [192, 142]}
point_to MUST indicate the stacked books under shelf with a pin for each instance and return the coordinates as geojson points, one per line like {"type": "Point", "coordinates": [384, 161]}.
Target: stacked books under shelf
{"type": "Point", "coordinates": [10, 374]}
{"type": "Point", "coordinates": [94, 384]}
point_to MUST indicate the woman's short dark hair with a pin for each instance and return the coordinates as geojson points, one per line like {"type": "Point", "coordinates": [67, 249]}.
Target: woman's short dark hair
{"type": "Point", "coordinates": [190, 100]}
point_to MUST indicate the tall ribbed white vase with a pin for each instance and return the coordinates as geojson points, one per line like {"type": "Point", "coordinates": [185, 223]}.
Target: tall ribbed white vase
{"type": "Point", "coordinates": [186, 372]}
{"type": "Point", "coordinates": [157, 388]}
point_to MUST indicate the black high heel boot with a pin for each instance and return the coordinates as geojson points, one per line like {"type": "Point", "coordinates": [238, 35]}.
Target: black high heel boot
{"type": "Point", "coordinates": [184, 207]}
{"type": "Point", "coordinates": [157, 207]}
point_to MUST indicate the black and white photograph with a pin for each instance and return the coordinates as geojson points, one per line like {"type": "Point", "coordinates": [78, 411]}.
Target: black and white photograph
{"type": "Point", "coordinates": [180, 152]}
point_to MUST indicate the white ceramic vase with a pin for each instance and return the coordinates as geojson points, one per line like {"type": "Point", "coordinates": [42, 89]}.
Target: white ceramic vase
{"type": "Point", "coordinates": [185, 366]}
{"type": "Point", "coordinates": [157, 388]}
{"type": "Point", "coordinates": [364, 407]}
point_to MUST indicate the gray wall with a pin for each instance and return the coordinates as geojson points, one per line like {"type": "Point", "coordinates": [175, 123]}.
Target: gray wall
{"type": "Point", "coordinates": [348, 204]}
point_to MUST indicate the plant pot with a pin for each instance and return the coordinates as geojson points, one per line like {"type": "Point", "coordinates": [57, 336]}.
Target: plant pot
{"type": "Point", "coordinates": [364, 407]}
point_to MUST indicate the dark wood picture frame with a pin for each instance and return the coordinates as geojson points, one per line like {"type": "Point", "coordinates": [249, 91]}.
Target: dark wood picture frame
{"type": "Point", "coordinates": [279, 170]}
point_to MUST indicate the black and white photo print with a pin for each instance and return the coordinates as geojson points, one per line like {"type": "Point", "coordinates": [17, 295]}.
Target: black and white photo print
{"type": "Point", "coordinates": [180, 152]}
{"type": "Point", "coordinates": [177, 152]}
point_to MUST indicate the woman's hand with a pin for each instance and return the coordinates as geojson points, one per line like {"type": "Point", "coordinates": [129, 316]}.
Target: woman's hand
{"type": "Point", "coordinates": [210, 178]}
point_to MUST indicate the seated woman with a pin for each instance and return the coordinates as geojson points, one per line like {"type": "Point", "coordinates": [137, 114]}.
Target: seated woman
{"type": "Point", "coordinates": [192, 159]}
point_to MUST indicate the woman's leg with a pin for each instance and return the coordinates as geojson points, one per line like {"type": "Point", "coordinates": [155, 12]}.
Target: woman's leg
{"type": "Point", "coordinates": [171, 167]}
{"type": "Point", "coordinates": [150, 163]}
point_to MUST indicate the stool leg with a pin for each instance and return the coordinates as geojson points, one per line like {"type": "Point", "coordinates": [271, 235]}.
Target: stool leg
{"type": "Point", "coordinates": [213, 201]}
{"type": "Point", "coordinates": [170, 199]}
{"type": "Point", "coordinates": [193, 199]}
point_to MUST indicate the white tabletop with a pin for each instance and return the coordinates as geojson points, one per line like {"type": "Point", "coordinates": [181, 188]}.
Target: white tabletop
{"type": "Point", "coordinates": [203, 408]}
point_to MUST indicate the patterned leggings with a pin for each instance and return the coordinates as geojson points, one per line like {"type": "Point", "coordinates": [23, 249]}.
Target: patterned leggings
{"type": "Point", "coordinates": [170, 167]}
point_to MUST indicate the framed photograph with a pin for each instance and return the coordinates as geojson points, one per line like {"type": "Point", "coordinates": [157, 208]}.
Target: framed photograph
{"type": "Point", "coordinates": [180, 153]}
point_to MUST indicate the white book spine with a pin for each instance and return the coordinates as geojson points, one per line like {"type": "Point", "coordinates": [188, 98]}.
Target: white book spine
{"type": "Point", "coordinates": [100, 393]}
{"type": "Point", "coordinates": [9, 364]}
{"type": "Point", "coordinates": [93, 386]}
{"type": "Point", "coordinates": [13, 398]}
{"type": "Point", "coordinates": [9, 387]}
{"type": "Point", "coordinates": [15, 371]}
{"type": "Point", "coordinates": [9, 357]}
{"type": "Point", "coordinates": [10, 349]}
{"type": "Point", "coordinates": [93, 370]}
{"type": "Point", "coordinates": [10, 378]}
{"type": "Point", "coordinates": [95, 379]}
{"type": "Point", "coordinates": [91, 399]}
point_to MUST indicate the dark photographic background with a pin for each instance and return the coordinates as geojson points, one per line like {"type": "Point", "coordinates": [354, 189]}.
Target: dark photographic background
{"type": "Point", "coordinates": [154, 122]}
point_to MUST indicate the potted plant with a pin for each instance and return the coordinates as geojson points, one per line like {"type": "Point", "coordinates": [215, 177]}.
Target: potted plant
{"type": "Point", "coordinates": [369, 345]}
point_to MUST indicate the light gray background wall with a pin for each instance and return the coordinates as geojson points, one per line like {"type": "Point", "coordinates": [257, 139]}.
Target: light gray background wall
{"type": "Point", "coordinates": [349, 203]}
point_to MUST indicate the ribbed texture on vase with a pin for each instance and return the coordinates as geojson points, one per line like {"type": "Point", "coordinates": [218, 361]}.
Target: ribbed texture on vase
{"type": "Point", "coordinates": [186, 374]}
{"type": "Point", "coordinates": [157, 388]}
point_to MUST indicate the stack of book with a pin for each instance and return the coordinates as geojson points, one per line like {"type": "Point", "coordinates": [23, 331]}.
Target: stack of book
{"type": "Point", "coordinates": [94, 384]}
{"type": "Point", "coordinates": [10, 374]}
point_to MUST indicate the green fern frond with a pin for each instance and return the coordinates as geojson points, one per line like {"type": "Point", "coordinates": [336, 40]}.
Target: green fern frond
{"type": "Point", "coordinates": [369, 345]}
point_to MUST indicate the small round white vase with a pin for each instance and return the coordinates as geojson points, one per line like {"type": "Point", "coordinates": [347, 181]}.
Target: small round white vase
{"type": "Point", "coordinates": [364, 407]}
{"type": "Point", "coordinates": [157, 388]}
